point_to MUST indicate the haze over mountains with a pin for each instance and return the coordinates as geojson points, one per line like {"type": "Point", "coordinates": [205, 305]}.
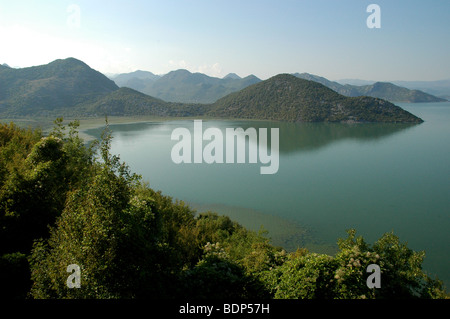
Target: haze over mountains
{"type": "Point", "coordinates": [186, 87]}
{"type": "Point", "coordinates": [71, 88]}
{"type": "Point", "coordinates": [440, 88]}
{"type": "Point", "coordinates": [382, 90]}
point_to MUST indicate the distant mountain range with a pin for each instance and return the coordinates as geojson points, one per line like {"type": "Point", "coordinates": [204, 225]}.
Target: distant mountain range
{"type": "Point", "coordinates": [71, 88]}
{"type": "Point", "coordinates": [184, 86]}
{"type": "Point", "coordinates": [382, 90]}
{"type": "Point", "coordinates": [440, 88]}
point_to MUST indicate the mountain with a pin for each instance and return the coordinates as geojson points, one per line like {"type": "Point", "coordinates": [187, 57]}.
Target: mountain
{"type": "Point", "coordinates": [311, 77]}
{"type": "Point", "coordinates": [382, 90]}
{"type": "Point", "coordinates": [355, 82]}
{"type": "Point", "coordinates": [232, 76]}
{"type": "Point", "coordinates": [126, 101]}
{"type": "Point", "coordinates": [138, 80]}
{"type": "Point", "coordinates": [59, 84]}
{"type": "Point", "coordinates": [185, 87]}
{"type": "Point", "coordinates": [71, 88]}
{"type": "Point", "coordinates": [392, 92]}
{"type": "Point", "coordinates": [286, 97]}
{"type": "Point", "coordinates": [440, 88]}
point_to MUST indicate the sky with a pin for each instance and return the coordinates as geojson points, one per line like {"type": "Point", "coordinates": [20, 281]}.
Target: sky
{"type": "Point", "coordinates": [324, 37]}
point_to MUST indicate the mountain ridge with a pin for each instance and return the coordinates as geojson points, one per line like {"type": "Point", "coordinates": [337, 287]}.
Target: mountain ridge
{"type": "Point", "coordinates": [232, 76]}
{"type": "Point", "coordinates": [71, 87]}
{"type": "Point", "coordinates": [383, 90]}
{"type": "Point", "coordinates": [183, 86]}
{"type": "Point", "coordinates": [438, 88]}
{"type": "Point", "coordinates": [61, 83]}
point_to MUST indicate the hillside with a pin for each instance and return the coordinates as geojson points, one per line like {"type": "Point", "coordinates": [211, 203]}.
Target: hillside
{"type": "Point", "coordinates": [288, 98]}
{"type": "Point", "coordinates": [71, 88]}
{"type": "Point", "coordinates": [126, 102]}
{"type": "Point", "coordinates": [382, 90]}
{"type": "Point", "coordinates": [45, 88]}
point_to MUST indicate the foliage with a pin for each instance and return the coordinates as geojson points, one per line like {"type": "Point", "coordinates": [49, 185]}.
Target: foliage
{"type": "Point", "coordinates": [217, 276]}
{"type": "Point", "coordinates": [314, 276]}
{"type": "Point", "coordinates": [14, 276]}
{"type": "Point", "coordinates": [308, 276]}
{"type": "Point", "coordinates": [37, 173]}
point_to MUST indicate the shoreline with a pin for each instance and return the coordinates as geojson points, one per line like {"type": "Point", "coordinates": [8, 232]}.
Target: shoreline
{"type": "Point", "coordinates": [94, 123]}
{"type": "Point", "coordinates": [282, 232]}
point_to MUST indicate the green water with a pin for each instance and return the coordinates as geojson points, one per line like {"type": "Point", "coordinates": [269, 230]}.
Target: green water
{"type": "Point", "coordinates": [373, 177]}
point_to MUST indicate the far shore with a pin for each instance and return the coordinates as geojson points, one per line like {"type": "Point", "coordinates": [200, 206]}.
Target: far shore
{"type": "Point", "coordinates": [47, 123]}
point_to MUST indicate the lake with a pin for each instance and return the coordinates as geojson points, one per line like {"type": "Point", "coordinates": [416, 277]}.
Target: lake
{"type": "Point", "coordinates": [375, 178]}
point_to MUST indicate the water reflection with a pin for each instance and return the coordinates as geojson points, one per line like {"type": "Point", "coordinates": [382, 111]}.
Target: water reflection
{"type": "Point", "coordinates": [294, 137]}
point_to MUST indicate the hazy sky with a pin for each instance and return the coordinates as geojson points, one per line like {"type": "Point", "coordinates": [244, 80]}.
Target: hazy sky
{"type": "Point", "coordinates": [324, 37]}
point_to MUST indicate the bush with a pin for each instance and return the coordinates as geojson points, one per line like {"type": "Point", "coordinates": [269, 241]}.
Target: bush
{"type": "Point", "coordinates": [344, 276]}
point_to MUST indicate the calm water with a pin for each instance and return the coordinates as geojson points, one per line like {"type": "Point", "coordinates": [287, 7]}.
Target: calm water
{"type": "Point", "coordinates": [373, 177]}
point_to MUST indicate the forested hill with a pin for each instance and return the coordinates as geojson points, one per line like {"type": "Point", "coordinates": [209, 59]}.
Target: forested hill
{"type": "Point", "coordinates": [71, 88]}
{"type": "Point", "coordinates": [59, 84]}
{"type": "Point", "coordinates": [289, 98]}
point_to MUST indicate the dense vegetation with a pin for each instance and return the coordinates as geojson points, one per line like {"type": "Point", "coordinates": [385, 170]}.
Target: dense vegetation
{"type": "Point", "coordinates": [64, 203]}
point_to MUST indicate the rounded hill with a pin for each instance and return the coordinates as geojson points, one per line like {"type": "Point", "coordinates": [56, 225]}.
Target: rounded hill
{"type": "Point", "coordinates": [288, 98]}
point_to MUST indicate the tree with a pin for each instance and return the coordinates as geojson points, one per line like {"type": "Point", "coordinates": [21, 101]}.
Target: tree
{"type": "Point", "coordinates": [306, 276]}
{"type": "Point", "coordinates": [36, 173]}
{"type": "Point", "coordinates": [218, 276]}
{"type": "Point", "coordinates": [344, 276]}
{"type": "Point", "coordinates": [107, 228]}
